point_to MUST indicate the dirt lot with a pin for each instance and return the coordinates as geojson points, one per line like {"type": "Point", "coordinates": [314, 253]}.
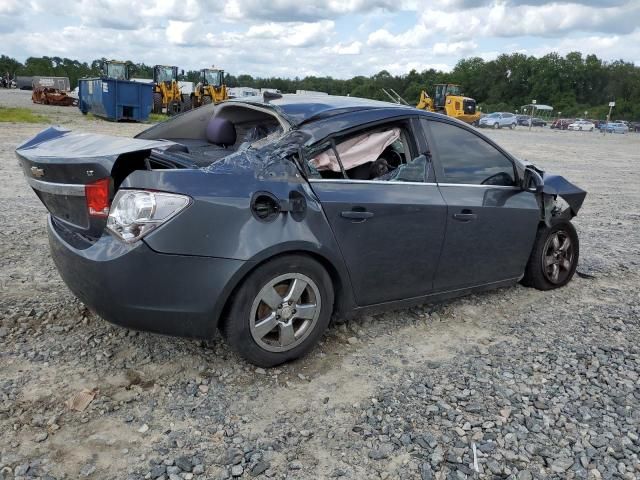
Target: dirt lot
{"type": "Point", "coordinates": [540, 385]}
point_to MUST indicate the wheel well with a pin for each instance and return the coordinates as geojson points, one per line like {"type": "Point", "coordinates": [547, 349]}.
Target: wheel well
{"type": "Point", "coordinates": [336, 281]}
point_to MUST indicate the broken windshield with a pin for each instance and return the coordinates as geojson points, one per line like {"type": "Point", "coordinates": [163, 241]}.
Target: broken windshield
{"type": "Point", "coordinates": [213, 77]}
{"type": "Point", "coordinates": [165, 74]}
{"type": "Point", "coordinates": [454, 90]}
{"type": "Point", "coordinates": [117, 71]}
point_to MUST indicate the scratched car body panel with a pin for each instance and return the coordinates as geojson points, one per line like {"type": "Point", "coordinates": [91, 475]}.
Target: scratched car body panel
{"type": "Point", "coordinates": [242, 216]}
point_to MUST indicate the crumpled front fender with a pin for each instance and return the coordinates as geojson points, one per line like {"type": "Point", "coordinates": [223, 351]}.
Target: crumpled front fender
{"type": "Point", "coordinates": [558, 197]}
{"type": "Point", "coordinates": [557, 185]}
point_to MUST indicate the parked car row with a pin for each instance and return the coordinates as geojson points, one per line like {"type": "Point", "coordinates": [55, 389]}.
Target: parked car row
{"type": "Point", "coordinates": [561, 123]}
{"type": "Point", "coordinates": [614, 127]}
{"type": "Point", "coordinates": [509, 120]}
{"type": "Point", "coordinates": [526, 120]}
{"type": "Point", "coordinates": [591, 125]}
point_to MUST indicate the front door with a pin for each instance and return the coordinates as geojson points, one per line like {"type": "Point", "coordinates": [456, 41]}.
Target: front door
{"type": "Point", "coordinates": [491, 222]}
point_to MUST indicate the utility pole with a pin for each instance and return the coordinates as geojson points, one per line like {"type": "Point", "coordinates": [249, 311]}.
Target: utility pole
{"type": "Point", "coordinates": [611, 105]}
{"type": "Point", "coordinates": [533, 110]}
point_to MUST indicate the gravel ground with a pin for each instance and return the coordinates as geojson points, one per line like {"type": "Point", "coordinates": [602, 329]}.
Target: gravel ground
{"type": "Point", "coordinates": [538, 385]}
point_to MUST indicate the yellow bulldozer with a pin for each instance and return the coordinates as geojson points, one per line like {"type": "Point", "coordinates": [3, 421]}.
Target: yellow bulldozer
{"type": "Point", "coordinates": [166, 91]}
{"type": "Point", "coordinates": [450, 100]}
{"type": "Point", "coordinates": [210, 88]}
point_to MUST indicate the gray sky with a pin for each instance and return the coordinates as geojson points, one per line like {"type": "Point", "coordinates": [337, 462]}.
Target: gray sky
{"type": "Point", "coordinates": [307, 37]}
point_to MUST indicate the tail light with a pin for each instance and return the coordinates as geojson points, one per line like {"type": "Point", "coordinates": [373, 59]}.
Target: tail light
{"type": "Point", "coordinates": [97, 195]}
{"type": "Point", "coordinates": [137, 212]}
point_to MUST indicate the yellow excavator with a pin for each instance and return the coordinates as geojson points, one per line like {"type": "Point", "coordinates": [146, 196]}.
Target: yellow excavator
{"type": "Point", "coordinates": [450, 100]}
{"type": "Point", "coordinates": [210, 88]}
{"type": "Point", "coordinates": [166, 91]}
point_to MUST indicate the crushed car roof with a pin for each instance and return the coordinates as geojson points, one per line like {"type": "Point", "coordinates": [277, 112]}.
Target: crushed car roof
{"type": "Point", "coordinates": [299, 109]}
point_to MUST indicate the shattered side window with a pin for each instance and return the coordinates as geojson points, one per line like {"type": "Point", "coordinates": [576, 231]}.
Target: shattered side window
{"type": "Point", "coordinates": [377, 154]}
{"type": "Point", "coordinates": [414, 171]}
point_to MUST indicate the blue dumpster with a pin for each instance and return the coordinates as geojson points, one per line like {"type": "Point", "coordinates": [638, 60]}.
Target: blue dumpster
{"type": "Point", "coordinates": [115, 99]}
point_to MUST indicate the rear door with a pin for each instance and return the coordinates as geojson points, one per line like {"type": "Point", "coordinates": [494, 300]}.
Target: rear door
{"type": "Point", "coordinates": [389, 232]}
{"type": "Point", "coordinates": [491, 222]}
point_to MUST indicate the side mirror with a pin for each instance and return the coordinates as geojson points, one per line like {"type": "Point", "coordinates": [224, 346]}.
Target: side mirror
{"type": "Point", "coordinates": [532, 181]}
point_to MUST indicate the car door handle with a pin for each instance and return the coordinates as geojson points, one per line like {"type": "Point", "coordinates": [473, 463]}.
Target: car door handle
{"type": "Point", "coordinates": [465, 216]}
{"type": "Point", "coordinates": [356, 214]}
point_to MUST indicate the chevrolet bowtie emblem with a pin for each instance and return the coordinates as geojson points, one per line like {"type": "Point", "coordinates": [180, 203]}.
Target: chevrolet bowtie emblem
{"type": "Point", "coordinates": [37, 172]}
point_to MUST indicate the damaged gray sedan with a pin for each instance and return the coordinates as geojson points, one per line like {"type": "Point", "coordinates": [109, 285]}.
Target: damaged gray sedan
{"type": "Point", "coordinates": [264, 218]}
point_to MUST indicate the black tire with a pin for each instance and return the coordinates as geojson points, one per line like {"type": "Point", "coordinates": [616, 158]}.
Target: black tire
{"type": "Point", "coordinates": [246, 303]}
{"type": "Point", "coordinates": [157, 102]}
{"type": "Point", "coordinates": [496, 125]}
{"type": "Point", "coordinates": [206, 100]}
{"type": "Point", "coordinates": [174, 107]}
{"type": "Point", "coordinates": [186, 103]}
{"type": "Point", "coordinates": [537, 273]}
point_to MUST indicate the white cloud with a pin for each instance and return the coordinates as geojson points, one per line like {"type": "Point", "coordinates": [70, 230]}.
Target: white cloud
{"type": "Point", "coordinates": [353, 48]}
{"type": "Point", "coordinates": [9, 7]}
{"type": "Point", "coordinates": [502, 19]}
{"type": "Point", "coordinates": [177, 32]}
{"type": "Point", "coordinates": [294, 34]}
{"type": "Point", "coordinates": [454, 48]}
{"type": "Point", "coordinates": [414, 37]}
{"type": "Point", "coordinates": [308, 11]}
{"type": "Point", "coordinates": [341, 38]}
{"type": "Point", "coordinates": [611, 47]}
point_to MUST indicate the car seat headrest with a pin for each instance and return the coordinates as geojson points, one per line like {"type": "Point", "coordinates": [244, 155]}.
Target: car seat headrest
{"type": "Point", "coordinates": [221, 132]}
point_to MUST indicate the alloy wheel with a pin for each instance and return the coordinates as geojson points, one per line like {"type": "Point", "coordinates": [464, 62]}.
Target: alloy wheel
{"type": "Point", "coordinates": [558, 257]}
{"type": "Point", "coordinates": [285, 312]}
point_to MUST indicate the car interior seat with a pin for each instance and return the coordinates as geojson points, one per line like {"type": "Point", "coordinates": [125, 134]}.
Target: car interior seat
{"type": "Point", "coordinates": [221, 131]}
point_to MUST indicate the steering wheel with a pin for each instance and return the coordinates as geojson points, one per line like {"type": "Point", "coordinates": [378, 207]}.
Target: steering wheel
{"type": "Point", "coordinates": [397, 161]}
{"type": "Point", "coordinates": [500, 178]}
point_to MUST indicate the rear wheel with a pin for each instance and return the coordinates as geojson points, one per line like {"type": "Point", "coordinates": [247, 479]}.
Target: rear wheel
{"type": "Point", "coordinates": [157, 103]}
{"type": "Point", "coordinates": [554, 257]}
{"type": "Point", "coordinates": [280, 311]}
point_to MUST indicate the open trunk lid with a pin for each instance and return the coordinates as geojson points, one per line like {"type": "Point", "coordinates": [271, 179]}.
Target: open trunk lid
{"type": "Point", "coordinates": [62, 167]}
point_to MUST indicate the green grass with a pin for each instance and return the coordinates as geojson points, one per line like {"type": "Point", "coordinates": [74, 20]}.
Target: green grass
{"type": "Point", "coordinates": [20, 115]}
{"type": "Point", "coordinates": [153, 118]}
{"type": "Point", "coordinates": [156, 118]}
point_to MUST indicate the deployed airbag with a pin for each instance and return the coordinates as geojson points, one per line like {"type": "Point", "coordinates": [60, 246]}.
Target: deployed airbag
{"type": "Point", "coordinates": [356, 151]}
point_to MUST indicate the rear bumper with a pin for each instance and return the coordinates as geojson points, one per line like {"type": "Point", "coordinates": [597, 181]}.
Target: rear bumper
{"type": "Point", "coordinates": [136, 287]}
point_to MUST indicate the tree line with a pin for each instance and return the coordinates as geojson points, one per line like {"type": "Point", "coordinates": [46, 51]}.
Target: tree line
{"type": "Point", "coordinates": [572, 84]}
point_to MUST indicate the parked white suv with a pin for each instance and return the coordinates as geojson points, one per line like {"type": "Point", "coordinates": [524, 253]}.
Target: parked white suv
{"type": "Point", "coordinates": [498, 120]}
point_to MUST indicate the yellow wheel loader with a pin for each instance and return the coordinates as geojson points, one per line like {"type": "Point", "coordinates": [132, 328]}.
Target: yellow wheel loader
{"type": "Point", "coordinates": [166, 91]}
{"type": "Point", "coordinates": [210, 88]}
{"type": "Point", "coordinates": [450, 101]}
